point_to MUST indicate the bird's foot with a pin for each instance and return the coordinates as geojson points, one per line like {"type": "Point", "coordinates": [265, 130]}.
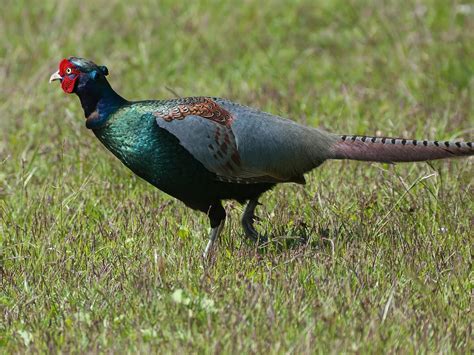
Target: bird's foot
{"type": "Point", "coordinates": [248, 218]}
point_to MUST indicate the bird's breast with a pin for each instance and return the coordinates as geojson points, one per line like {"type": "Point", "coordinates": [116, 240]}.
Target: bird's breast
{"type": "Point", "coordinates": [153, 154]}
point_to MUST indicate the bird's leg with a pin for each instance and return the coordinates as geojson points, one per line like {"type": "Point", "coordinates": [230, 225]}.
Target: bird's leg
{"type": "Point", "coordinates": [215, 232]}
{"type": "Point", "coordinates": [247, 222]}
{"type": "Point", "coordinates": [216, 217]}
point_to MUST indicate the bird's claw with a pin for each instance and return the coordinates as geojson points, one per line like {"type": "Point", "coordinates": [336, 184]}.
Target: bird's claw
{"type": "Point", "coordinates": [248, 218]}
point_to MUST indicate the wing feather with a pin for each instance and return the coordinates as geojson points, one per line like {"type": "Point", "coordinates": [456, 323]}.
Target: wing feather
{"type": "Point", "coordinates": [244, 145]}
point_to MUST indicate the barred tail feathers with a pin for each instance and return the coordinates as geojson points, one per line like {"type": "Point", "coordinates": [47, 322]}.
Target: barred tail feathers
{"type": "Point", "coordinates": [383, 149]}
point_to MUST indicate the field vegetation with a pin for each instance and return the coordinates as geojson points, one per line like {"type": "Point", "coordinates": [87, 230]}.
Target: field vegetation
{"type": "Point", "coordinates": [364, 258]}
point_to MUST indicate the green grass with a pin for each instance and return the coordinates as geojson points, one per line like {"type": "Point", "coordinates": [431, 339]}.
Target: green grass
{"type": "Point", "coordinates": [94, 259]}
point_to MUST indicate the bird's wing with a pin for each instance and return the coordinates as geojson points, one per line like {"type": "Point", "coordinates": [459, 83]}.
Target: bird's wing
{"type": "Point", "coordinates": [241, 144]}
{"type": "Point", "coordinates": [204, 129]}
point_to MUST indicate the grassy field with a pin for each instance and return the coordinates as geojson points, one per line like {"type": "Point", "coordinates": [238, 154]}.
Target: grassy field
{"type": "Point", "coordinates": [94, 259]}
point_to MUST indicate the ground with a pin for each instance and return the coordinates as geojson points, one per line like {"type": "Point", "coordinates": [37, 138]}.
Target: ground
{"type": "Point", "coordinates": [364, 258]}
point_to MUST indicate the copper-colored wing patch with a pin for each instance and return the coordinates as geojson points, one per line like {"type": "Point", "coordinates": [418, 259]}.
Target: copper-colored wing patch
{"type": "Point", "coordinates": [202, 106]}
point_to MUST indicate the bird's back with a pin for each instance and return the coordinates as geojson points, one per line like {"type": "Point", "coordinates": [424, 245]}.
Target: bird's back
{"type": "Point", "coordinates": [278, 146]}
{"type": "Point", "coordinates": [242, 144]}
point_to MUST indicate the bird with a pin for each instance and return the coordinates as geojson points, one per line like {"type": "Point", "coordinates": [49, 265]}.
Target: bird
{"type": "Point", "coordinates": [203, 150]}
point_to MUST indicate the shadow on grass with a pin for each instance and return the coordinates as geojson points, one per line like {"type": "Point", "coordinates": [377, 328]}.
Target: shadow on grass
{"type": "Point", "coordinates": [286, 238]}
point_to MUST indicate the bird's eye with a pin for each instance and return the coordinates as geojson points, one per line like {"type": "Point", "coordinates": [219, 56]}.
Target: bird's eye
{"type": "Point", "coordinates": [68, 71]}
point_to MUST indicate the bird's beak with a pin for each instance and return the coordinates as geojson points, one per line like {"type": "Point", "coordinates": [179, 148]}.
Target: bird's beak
{"type": "Point", "coordinates": [55, 76]}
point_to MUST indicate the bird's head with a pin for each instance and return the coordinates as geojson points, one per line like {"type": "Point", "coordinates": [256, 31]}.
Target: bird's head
{"type": "Point", "coordinates": [87, 79]}
{"type": "Point", "coordinates": [78, 74]}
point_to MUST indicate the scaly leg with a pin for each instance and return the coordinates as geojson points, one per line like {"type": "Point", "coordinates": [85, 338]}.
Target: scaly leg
{"type": "Point", "coordinates": [215, 232]}
{"type": "Point", "coordinates": [247, 223]}
{"type": "Point", "coordinates": [216, 215]}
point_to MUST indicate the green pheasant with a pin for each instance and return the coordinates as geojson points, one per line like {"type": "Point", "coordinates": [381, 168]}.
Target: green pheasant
{"type": "Point", "coordinates": [202, 150]}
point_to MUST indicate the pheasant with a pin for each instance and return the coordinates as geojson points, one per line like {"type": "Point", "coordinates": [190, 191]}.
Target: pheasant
{"type": "Point", "coordinates": [202, 150]}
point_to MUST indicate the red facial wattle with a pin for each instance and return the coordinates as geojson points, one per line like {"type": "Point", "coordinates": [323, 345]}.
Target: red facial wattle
{"type": "Point", "coordinates": [69, 75]}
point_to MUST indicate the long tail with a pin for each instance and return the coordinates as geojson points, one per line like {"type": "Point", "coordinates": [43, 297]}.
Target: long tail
{"type": "Point", "coordinates": [383, 149]}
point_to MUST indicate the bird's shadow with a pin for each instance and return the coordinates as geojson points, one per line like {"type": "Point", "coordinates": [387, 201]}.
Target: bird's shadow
{"type": "Point", "coordinates": [284, 238]}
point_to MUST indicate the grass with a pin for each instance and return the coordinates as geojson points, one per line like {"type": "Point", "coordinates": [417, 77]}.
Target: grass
{"type": "Point", "coordinates": [93, 259]}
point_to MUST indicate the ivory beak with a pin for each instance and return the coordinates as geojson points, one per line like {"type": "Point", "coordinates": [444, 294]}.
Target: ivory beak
{"type": "Point", "coordinates": [55, 76]}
